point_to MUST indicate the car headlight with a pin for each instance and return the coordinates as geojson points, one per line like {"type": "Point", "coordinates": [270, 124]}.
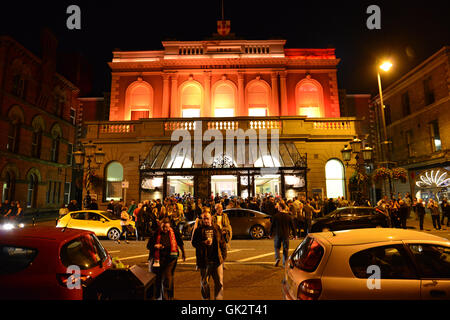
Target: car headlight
{"type": "Point", "coordinates": [21, 225]}
{"type": "Point", "coordinates": [8, 226]}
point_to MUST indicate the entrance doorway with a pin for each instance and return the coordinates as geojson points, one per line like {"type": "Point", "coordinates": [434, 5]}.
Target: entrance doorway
{"type": "Point", "coordinates": [224, 185]}
{"type": "Point", "coordinates": [180, 185]}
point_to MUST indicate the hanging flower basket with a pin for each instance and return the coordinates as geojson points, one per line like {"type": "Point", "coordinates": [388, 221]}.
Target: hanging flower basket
{"type": "Point", "coordinates": [381, 174]}
{"type": "Point", "coordinates": [399, 174]}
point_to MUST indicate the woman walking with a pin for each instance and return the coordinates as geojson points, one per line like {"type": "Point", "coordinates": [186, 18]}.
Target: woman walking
{"type": "Point", "coordinates": [124, 222]}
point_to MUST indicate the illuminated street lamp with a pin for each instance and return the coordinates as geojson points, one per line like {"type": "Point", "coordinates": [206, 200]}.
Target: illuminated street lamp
{"type": "Point", "coordinates": [80, 157]}
{"type": "Point", "coordinates": [385, 66]}
{"type": "Point", "coordinates": [367, 154]}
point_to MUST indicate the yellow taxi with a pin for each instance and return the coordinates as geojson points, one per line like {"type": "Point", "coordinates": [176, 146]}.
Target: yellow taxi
{"type": "Point", "coordinates": [102, 223]}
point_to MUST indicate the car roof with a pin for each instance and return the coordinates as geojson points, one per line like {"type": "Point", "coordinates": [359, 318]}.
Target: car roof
{"type": "Point", "coordinates": [41, 233]}
{"type": "Point", "coordinates": [372, 235]}
{"type": "Point", "coordinates": [245, 209]}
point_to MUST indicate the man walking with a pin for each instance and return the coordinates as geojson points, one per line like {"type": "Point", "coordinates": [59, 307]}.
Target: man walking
{"type": "Point", "coordinates": [211, 251]}
{"type": "Point", "coordinates": [420, 207]}
{"type": "Point", "coordinates": [282, 225]}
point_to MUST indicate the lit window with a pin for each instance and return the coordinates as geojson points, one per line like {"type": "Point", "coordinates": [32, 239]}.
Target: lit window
{"type": "Point", "coordinates": [223, 112]}
{"type": "Point", "coordinates": [191, 113]}
{"type": "Point", "coordinates": [257, 112]}
{"type": "Point", "coordinates": [309, 98]}
{"type": "Point", "coordinates": [335, 181]}
{"type": "Point", "coordinates": [312, 112]}
{"type": "Point", "coordinates": [114, 178]}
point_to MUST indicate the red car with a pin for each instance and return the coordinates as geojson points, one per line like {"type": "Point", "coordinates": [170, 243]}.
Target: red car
{"type": "Point", "coordinates": [38, 263]}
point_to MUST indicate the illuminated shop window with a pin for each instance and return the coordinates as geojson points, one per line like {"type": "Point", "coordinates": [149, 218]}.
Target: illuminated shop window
{"type": "Point", "coordinates": [114, 178]}
{"type": "Point", "coordinates": [335, 179]}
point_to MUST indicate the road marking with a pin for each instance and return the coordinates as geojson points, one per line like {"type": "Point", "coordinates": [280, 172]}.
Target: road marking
{"type": "Point", "coordinates": [146, 255]}
{"type": "Point", "coordinates": [257, 257]}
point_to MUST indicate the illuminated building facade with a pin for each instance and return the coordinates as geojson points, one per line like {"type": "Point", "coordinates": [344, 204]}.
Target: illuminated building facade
{"type": "Point", "coordinates": [225, 84]}
{"type": "Point", "coordinates": [418, 125]}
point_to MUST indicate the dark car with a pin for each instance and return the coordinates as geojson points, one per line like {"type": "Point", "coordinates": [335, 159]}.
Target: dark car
{"type": "Point", "coordinates": [246, 222]}
{"type": "Point", "coordinates": [350, 218]}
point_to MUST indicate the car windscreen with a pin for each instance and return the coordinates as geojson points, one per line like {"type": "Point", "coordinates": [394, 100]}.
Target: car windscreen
{"type": "Point", "coordinates": [85, 252]}
{"type": "Point", "coordinates": [308, 255]}
{"type": "Point", "coordinates": [14, 259]}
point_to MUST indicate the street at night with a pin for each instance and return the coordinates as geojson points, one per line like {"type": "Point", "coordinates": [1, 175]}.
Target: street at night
{"type": "Point", "coordinates": [224, 150]}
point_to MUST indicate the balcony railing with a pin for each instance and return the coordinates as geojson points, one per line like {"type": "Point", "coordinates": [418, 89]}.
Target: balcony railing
{"type": "Point", "coordinates": [163, 127]}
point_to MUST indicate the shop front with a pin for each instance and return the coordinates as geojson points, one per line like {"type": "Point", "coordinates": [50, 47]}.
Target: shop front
{"type": "Point", "coordinates": [433, 183]}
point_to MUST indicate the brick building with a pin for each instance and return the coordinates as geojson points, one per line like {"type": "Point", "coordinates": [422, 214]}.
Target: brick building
{"type": "Point", "coordinates": [222, 84]}
{"type": "Point", "coordinates": [418, 123]}
{"type": "Point", "coordinates": [38, 117]}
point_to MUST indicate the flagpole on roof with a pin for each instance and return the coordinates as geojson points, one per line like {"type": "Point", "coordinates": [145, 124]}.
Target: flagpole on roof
{"type": "Point", "coordinates": [222, 11]}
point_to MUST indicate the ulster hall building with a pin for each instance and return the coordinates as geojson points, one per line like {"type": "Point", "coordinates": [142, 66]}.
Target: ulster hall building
{"type": "Point", "coordinates": [277, 107]}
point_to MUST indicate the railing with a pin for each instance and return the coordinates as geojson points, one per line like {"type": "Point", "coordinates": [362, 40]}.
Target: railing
{"type": "Point", "coordinates": [163, 127]}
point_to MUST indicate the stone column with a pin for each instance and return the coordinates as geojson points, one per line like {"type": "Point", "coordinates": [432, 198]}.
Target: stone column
{"type": "Point", "coordinates": [174, 109]}
{"type": "Point", "coordinates": [206, 112]}
{"type": "Point", "coordinates": [166, 96]}
{"type": "Point", "coordinates": [242, 111]}
{"type": "Point", "coordinates": [284, 106]}
{"type": "Point", "coordinates": [275, 108]}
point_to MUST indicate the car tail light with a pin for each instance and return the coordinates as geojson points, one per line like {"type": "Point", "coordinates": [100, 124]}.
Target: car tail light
{"type": "Point", "coordinates": [64, 278]}
{"type": "Point", "coordinates": [309, 289]}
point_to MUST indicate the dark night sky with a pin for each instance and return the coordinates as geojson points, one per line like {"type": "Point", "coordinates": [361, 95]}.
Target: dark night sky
{"type": "Point", "coordinates": [411, 31]}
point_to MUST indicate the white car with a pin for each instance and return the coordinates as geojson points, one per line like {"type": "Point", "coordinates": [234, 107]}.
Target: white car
{"type": "Point", "coordinates": [378, 263]}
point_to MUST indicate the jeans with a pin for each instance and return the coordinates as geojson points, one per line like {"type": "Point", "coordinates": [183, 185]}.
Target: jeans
{"type": "Point", "coordinates": [277, 245]}
{"type": "Point", "coordinates": [124, 232]}
{"type": "Point", "coordinates": [211, 271]}
{"type": "Point", "coordinates": [421, 218]}
{"type": "Point", "coordinates": [164, 280]}
{"type": "Point", "coordinates": [448, 219]}
{"type": "Point", "coordinates": [436, 221]}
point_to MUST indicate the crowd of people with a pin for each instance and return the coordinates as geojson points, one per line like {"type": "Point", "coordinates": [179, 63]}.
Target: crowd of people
{"type": "Point", "coordinates": [11, 210]}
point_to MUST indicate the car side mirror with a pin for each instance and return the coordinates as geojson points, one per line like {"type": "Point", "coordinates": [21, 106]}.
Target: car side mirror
{"type": "Point", "coordinates": [103, 220]}
{"type": "Point", "coordinates": [291, 263]}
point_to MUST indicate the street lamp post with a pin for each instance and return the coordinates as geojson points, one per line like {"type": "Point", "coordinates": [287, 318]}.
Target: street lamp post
{"type": "Point", "coordinates": [88, 156]}
{"type": "Point", "coordinates": [359, 153]}
{"type": "Point", "coordinates": [385, 66]}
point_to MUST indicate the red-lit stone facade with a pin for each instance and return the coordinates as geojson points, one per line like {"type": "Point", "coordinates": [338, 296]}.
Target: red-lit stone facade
{"type": "Point", "coordinates": [226, 84]}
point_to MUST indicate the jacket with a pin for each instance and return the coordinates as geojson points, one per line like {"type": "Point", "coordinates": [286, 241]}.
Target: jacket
{"type": "Point", "coordinates": [225, 223]}
{"type": "Point", "coordinates": [219, 247]}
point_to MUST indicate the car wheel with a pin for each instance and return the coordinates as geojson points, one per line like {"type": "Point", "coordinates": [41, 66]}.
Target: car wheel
{"type": "Point", "coordinates": [257, 232]}
{"type": "Point", "coordinates": [113, 234]}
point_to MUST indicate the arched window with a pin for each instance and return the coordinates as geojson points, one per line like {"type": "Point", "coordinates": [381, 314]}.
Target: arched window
{"type": "Point", "coordinates": [114, 178]}
{"type": "Point", "coordinates": [9, 183]}
{"type": "Point", "coordinates": [32, 190]}
{"type": "Point", "coordinates": [224, 99]}
{"type": "Point", "coordinates": [258, 97]}
{"type": "Point", "coordinates": [335, 179]}
{"type": "Point", "coordinates": [309, 98]}
{"type": "Point", "coordinates": [191, 100]}
{"type": "Point", "coordinates": [56, 137]}
{"type": "Point", "coordinates": [139, 100]}
{"type": "Point", "coordinates": [16, 118]}
{"type": "Point", "coordinates": [36, 140]}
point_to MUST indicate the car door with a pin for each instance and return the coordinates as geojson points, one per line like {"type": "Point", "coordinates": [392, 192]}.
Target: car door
{"type": "Point", "coordinates": [433, 263]}
{"type": "Point", "coordinates": [97, 223]}
{"type": "Point", "coordinates": [381, 272]}
{"type": "Point", "coordinates": [78, 220]}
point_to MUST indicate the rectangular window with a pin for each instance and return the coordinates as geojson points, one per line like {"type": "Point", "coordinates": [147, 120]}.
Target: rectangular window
{"type": "Point", "coordinates": [405, 104]}
{"type": "Point", "coordinates": [50, 192]}
{"type": "Point", "coordinates": [73, 115]}
{"type": "Point", "coordinates": [223, 112]}
{"type": "Point", "coordinates": [428, 91]}
{"type": "Point", "coordinates": [191, 112]}
{"type": "Point", "coordinates": [67, 192]}
{"type": "Point", "coordinates": [257, 112]}
{"type": "Point", "coordinates": [387, 114]}
{"type": "Point", "coordinates": [136, 115]}
{"type": "Point", "coordinates": [55, 150]}
{"type": "Point", "coordinates": [408, 138]}
{"type": "Point", "coordinates": [435, 136]}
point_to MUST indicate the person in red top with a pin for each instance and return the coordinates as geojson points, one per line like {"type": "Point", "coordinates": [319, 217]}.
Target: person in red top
{"type": "Point", "coordinates": [163, 246]}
